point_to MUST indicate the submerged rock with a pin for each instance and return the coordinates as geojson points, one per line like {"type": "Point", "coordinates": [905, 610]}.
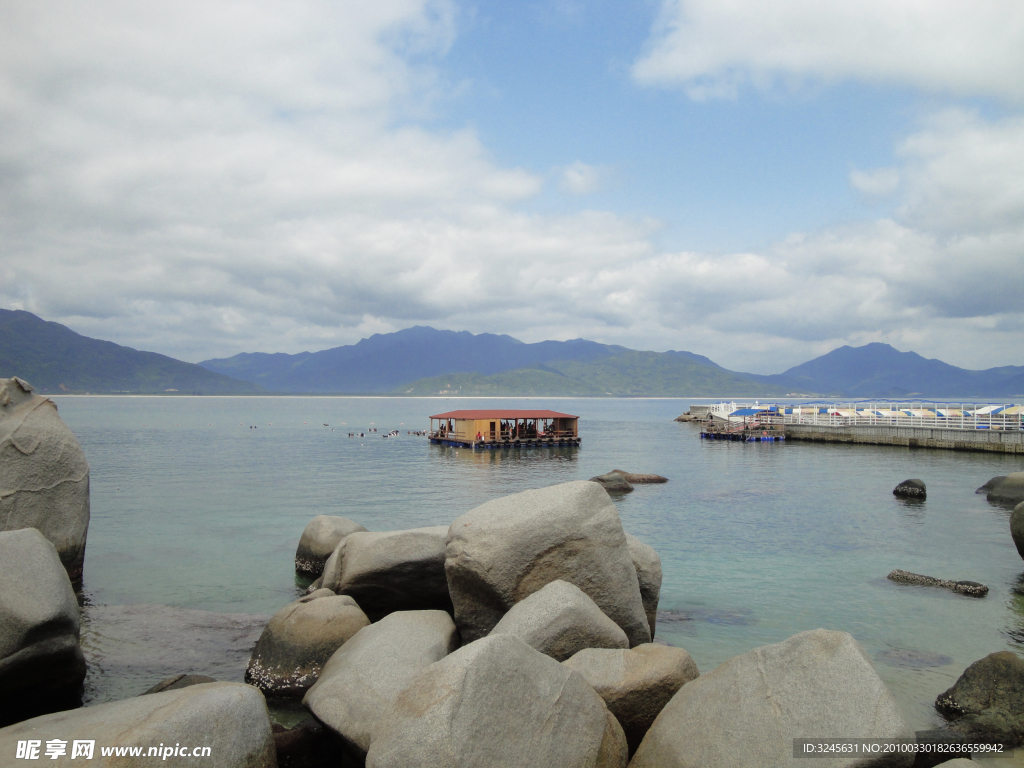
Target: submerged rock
{"type": "Point", "coordinates": [131, 647]}
{"type": "Point", "coordinates": [360, 683]}
{"type": "Point", "coordinates": [498, 702]}
{"type": "Point", "coordinates": [393, 571]}
{"type": "Point", "coordinates": [321, 537]}
{"type": "Point", "coordinates": [299, 640]}
{"type": "Point", "coordinates": [507, 549]}
{"type": "Point", "coordinates": [41, 662]}
{"type": "Point", "coordinates": [613, 483]}
{"type": "Point", "coordinates": [228, 719]}
{"type": "Point", "coordinates": [969, 588]}
{"type": "Point", "coordinates": [44, 477]}
{"type": "Point", "coordinates": [648, 573]}
{"type": "Point", "coordinates": [987, 701]}
{"type": "Point", "coordinates": [559, 620]}
{"type": "Point", "coordinates": [911, 489]}
{"type": "Point", "coordinates": [639, 478]}
{"type": "Point", "coordinates": [635, 684]}
{"type": "Point", "coordinates": [175, 682]}
{"type": "Point", "coordinates": [746, 712]}
{"type": "Point", "coordinates": [1009, 491]}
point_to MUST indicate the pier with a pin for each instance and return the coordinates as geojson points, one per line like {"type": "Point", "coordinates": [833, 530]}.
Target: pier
{"type": "Point", "coordinates": [914, 424]}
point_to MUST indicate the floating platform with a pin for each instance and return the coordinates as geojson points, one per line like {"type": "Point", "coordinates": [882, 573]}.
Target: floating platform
{"type": "Point", "coordinates": [741, 438]}
{"type": "Point", "coordinates": [552, 442]}
{"type": "Point", "coordinates": [492, 429]}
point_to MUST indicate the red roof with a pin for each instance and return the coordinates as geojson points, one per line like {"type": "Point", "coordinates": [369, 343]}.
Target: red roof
{"type": "Point", "coordinates": [504, 415]}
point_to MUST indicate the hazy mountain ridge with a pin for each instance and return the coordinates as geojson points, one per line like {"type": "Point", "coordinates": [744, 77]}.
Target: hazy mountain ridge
{"type": "Point", "coordinates": [879, 370]}
{"type": "Point", "coordinates": [54, 359]}
{"type": "Point", "coordinates": [628, 374]}
{"type": "Point", "coordinates": [425, 361]}
{"type": "Point", "coordinates": [383, 363]}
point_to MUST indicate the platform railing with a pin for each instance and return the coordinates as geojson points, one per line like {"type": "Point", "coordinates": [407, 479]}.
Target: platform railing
{"type": "Point", "coordinates": [883, 417]}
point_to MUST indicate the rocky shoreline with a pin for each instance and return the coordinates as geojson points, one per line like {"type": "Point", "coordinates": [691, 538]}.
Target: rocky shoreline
{"type": "Point", "coordinates": [522, 634]}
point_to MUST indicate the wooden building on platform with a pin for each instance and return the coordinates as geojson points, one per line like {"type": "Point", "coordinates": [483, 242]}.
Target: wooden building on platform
{"type": "Point", "coordinates": [504, 428]}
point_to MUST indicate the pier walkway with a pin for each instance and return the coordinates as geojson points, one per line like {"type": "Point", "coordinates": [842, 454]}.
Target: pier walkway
{"type": "Point", "coordinates": [914, 424]}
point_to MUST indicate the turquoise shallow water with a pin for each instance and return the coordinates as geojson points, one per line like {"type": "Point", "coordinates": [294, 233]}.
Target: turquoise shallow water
{"type": "Point", "coordinates": [193, 508]}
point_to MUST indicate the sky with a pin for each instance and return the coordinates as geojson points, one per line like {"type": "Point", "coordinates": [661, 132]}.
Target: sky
{"type": "Point", "coordinates": [758, 182]}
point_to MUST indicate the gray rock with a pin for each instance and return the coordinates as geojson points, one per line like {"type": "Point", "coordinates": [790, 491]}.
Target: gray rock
{"type": "Point", "coordinates": [507, 549]}
{"type": "Point", "coordinates": [306, 745]}
{"type": "Point", "coordinates": [230, 719]}
{"type": "Point", "coordinates": [937, 744]}
{"type": "Point", "coordinates": [747, 712]}
{"type": "Point", "coordinates": [560, 620]}
{"type": "Point", "coordinates": [991, 484]}
{"type": "Point", "coordinates": [359, 685]}
{"type": "Point", "coordinates": [1009, 491]}
{"type": "Point", "coordinates": [639, 478]}
{"type": "Point", "coordinates": [911, 489]}
{"type": "Point", "coordinates": [498, 702]}
{"type": "Point", "coordinates": [178, 681]}
{"type": "Point", "coordinates": [987, 702]}
{"type": "Point", "coordinates": [44, 477]}
{"type": "Point", "coordinates": [316, 594]}
{"type": "Point", "coordinates": [635, 684]}
{"type": "Point", "coordinates": [648, 574]}
{"type": "Point", "coordinates": [613, 482]}
{"type": "Point", "coordinates": [41, 662]}
{"type": "Point", "coordinates": [969, 588]}
{"type": "Point", "coordinates": [299, 640]}
{"type": "Point", "coordinates": [394, 571]}
{"type": "Point", "coordinates": [1017, 528]}
{"type": "Point", "coordinates": [321, 537]}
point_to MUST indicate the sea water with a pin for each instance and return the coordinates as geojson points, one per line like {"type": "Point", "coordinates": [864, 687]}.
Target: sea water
{"type": "Point", "coordinates": [198, 504]}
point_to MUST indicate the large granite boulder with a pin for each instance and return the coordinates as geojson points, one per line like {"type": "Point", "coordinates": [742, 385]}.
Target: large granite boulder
{"type": "Point", "coordinates": [321, 537]}
{"type": "Point", "coordinates": [505, 550]}
{"type": "Point", "coordinates": [987, 702]}
{"type": "Point", "coordinates": [1017, 528]}
{"type": "Point", "coordinates": [299, 640]}
{"type": "Point", "coordinates": [559, 620]}
{"type": "Point", "coordinates": [41, 662]}
{"type": "Point", "coordinates": [1009, 491]}
{"type": "Point", "coordinates": [648, 574]}
{"type": "Point", "coordinates": [636, 684]}
{"type": "Point", "coordinates": [359, 685]}
{"type": "Point", "coordinates": [746, 712]}
{"type": "Point", "coordinates": [44, 477]}
{"type": "Point", "coordinates": [394, 571]}
{"type": "Point", "coordinates": [498, 702]}
{"type": "Point", "coordinates": [228, 719]}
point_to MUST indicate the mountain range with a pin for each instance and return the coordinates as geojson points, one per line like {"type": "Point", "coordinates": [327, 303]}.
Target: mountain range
{"type": "Point", "coordinates": [422, 361]}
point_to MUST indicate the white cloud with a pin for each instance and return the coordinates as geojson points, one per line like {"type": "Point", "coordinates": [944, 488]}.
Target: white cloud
{"type": "Point", "coordinates": [580, 178]}
{"type": "Point", "coordinates": [223, 177]}
{"type": "Point", "coordinates": [876, 183]}
{"type": "Point", "coordinates": [963, 47]}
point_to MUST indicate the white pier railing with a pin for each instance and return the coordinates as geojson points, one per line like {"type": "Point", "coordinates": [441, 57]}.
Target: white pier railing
{"type": "Point", "coordinates": [908, 414]}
